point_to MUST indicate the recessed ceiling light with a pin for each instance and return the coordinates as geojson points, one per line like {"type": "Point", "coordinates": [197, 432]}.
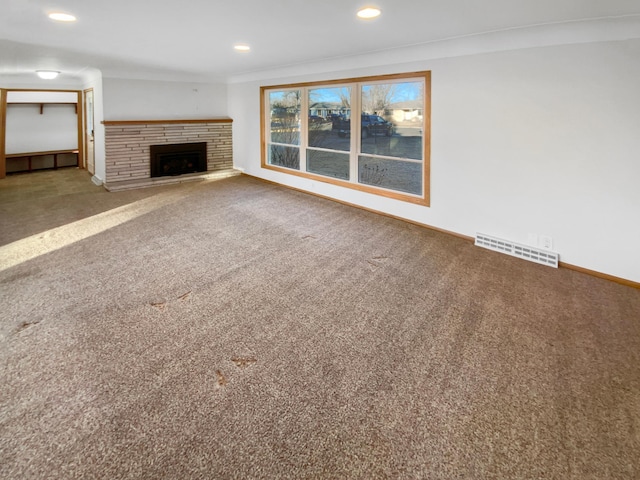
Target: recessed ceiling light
{"type": "Point", "coordinates": [369, 12]}
{"type": "Point", "coordinates": [62, 17]}
{"type": "Point", "coordinates": [242, 47]}
{"type": "Point", "coordinates": [47, 74]}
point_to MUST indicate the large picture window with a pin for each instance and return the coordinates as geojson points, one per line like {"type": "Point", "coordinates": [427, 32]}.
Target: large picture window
{"type": "Point", "coordinates": [371, 134]}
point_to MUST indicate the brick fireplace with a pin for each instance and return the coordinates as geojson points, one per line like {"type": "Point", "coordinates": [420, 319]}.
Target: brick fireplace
{"type": "Point", "coordinates": [128, 145]}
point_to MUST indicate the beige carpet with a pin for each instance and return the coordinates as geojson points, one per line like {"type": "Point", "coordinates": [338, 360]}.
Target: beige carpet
{"type": "Point", "coordinates": [237, 329]}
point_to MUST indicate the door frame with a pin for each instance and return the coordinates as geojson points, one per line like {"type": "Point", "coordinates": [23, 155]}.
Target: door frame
{"type": "Point", "coordinates": [3, 120]}
{"type": "Point", "coordinates": [84, 130]}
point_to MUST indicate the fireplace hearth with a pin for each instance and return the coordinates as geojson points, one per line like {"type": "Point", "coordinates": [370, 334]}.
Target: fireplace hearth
{"type": "Point", "coordinates": [178, 159]}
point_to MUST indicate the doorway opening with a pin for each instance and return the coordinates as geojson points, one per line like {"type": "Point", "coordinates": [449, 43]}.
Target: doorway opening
{"type": "Point", "coordinates": [40, 129]}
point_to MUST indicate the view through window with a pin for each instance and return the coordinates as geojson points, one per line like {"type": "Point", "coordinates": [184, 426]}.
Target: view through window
{"type": "Point", "coordinates": [370, 133]}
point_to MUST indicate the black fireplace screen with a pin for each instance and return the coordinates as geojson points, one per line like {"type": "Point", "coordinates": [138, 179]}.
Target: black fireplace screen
{"type": "Point", "coordinates": [178, 159]}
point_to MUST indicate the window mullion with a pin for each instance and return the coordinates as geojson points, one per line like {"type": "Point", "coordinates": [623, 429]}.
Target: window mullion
{"type": "Point", "coordinates": [355, 132]}
{"type": "Point", "coordinates": [304, 128]}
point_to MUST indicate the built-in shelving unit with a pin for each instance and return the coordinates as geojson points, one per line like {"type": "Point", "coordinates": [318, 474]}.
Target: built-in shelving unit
{"type": "Point", "coordinates": [43, 130]}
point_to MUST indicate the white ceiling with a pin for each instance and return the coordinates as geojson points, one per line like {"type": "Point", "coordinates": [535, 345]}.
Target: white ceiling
{"type": "Point", "coordinates": [194, 38]}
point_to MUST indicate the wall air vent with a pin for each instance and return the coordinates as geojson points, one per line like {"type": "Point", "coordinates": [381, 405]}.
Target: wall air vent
{"type": "Point", "coordinates": [533, 254]}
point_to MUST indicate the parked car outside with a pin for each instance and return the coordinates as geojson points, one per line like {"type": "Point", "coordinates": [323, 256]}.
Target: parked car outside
{"type": "Point", "coordinates": [371, 125]}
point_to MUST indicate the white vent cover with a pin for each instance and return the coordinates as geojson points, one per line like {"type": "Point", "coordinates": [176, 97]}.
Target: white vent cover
{"type": "Point", "coordinates": [533, 254]}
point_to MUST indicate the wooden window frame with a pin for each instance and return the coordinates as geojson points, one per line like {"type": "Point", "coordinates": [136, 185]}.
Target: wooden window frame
{"type": "Point", "coordinates": [265, 119]}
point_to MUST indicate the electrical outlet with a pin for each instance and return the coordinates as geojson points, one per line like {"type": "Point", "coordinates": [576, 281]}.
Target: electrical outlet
{"type": "Point", "coordinates": [546, 242]}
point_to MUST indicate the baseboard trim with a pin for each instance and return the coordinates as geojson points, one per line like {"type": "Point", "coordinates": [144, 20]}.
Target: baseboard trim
{"type": "Point", "coordinates": [605, 276]}
{"type": "Point", "coordinates": [594, 273]}
{"type": "Point", "coordinates": [96, 180]}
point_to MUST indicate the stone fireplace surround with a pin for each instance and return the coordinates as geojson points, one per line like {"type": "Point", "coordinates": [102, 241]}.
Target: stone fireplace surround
{"type": "Point", "coordinates": [128, 145]}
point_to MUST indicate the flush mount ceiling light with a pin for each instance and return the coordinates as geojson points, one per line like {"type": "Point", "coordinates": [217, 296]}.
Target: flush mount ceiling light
{"type": "Point", "coordinates": [369, 13]}
{"type": "Point", "coordinates": [47, 74]}
{"type": "Point", "coordinates": [62, 17]}
{"type": "Point", "coordinates": [241, 47]}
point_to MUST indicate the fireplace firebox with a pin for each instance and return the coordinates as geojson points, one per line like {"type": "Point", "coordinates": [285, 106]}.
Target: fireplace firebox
{"type": "Point", "coordinates": [178, 159]}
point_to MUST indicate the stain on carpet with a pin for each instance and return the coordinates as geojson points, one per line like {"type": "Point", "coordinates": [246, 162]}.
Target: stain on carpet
{"type": "Point", "coordinates": [243, 362]}
{"type": "Point", "coordinates": [25, 325]}
{"type": "Point", "coordinates": [222, 380]}
{"type": "Point", "coordinates": [184, 296]}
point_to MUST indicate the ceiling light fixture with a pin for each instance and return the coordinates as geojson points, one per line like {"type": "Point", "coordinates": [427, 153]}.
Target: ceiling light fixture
{"type": "Point", "coordinates": [242, 48]}
{"type": "Point", "coordinates": [47, 74]}
{"type": "Point", "coordinates": [369, 13]}
{"type": "Point", "coordinates": [62, 17]}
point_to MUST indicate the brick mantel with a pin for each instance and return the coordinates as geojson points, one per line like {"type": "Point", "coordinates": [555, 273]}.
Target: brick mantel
{"type": "Point", "coordinates": [128, 143]}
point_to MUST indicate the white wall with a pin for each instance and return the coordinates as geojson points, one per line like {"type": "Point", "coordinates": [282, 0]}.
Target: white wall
{"type": "Point", "coordinates": [29, 131]}
{"type": "Point", "coordinates": [153, 100]}
{"type": "Point", "coordinates": [540, 140]}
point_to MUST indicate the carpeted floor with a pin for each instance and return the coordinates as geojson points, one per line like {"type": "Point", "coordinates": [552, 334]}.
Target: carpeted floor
{"type": "Point", "coordinates": [238, 329]}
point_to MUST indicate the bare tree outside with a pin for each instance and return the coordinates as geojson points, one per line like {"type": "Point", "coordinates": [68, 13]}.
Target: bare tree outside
{"type": "Point", "coordinates": [377, 98]}
{"type": "Point", "coordinates": [285, 128]}
{"type": "Point", "coordinates": [345, 99]}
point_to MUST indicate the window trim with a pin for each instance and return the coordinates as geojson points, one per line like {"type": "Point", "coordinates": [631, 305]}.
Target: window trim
{"type": "Point", "coordinates": [354, 185]}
